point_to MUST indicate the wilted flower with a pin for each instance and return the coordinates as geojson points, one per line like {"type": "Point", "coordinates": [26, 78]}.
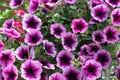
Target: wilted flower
{"type": "Point", "coordinates": [100, 12]}
{"type": "Point", "coordinates": [31, 22]}
{"type": "Point", "coordinates": [69, 41]}
{"type": "Point", "coordinates": [64, 59]}
{"type": "Point", "coordinates": [57, 30]}
{"type": "Point", "coordinates": [98, 36]}
{"type": "Point", "coordinates": [103, 57]}
{"type": "Point", "coordinates": [112, 34]}
{"type": "Point", "coordinates": [33, 37]}
{"type": "Point", "coordinates": [57, 76]}
{"type": "Point", "coordinates": [15, 3]}
{"type": "Point", "coordinates": [115, 17]}
{"type": "Point", "coordinates": [10, 72]}
{"type": "Point", "coordinates": [79, 25]}
{"type": "Point", "coordinates": [8, 23]}
{"type": "Point", "coordinates": [31, 70]}
{"type": "Point", "coordinates": [6, 57]}
{"type": "Point", "coordinates": [22, 52]}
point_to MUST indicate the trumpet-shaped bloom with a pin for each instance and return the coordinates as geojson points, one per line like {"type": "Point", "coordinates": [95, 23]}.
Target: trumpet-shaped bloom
{"type": "Point", "coordinates": [57, 30]}
{"type": "Point", "coordinates": [103, 57]}
{"type": "Point", "coordinates": [57, 76]}
{"type": "Point", "coordinates": [15, 3]}
{"type": "Point", "coordinates": [112, 34]}
{"type": "Point", "coordinates": [31, 70]}
{"type": "Point", "coordinates": [31, 22]}
{"type": "Point", "coordinates": [8, 23]}
{"type": "Point", "coordinates": [79, 25]}
{"type": "Point", "coordinates": [10, 72]}
{"type": "Point", "coordinates": [6, 57]}
{"type": "Point", "coordinates": [69, 41]}
{"type": "Point", "coordinates": [22, 52]}
{"type": "Point", "coordinates": [115, 17]}
{"type": "Point", "coordinates": [64, 59]}
{"type": "Point", "coordinates": [98, 36]}
{"type": "Point", "coordinates": [100, 12]}
{"type": "Point", "coordinates": [44, 76]}
{"type": "Point", "coordinates": [33, 37]}
{"type": "Point", "coordinates": [94, 3]}
{"type": "Point", "coordinates": [113, 3]}
{"type": "Point", "coordinates": [93, 21]}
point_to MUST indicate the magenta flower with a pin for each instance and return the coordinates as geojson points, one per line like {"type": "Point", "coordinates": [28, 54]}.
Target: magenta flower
{"type": "Point", "coordinates": [112, 34]}
{"type": "Point", "coordinates": [98, 36]}
{"type": "Point", "coordinates": [91, 70]}
{"type": "Point", "coordinates": [64, 59]}
{"type": "Point", "coordinates": [113, 3]}
{"type": "Point", "coordinates": [100, 12]}
{"type": "Point", "coordinates": [22, 52]}
{"type": "Point", "coordinates": [8, 23]}
{"type": "Point", "coordinates": [31, 22]}
{"type": "Point", "coordinates": [94, 3]}
{"type": "Point", "coordinates": [33, 37]}
{"type": "Point", "coordinates": [31, 70]}
{"type": "Point", "coordinates": [70, 1]}
{"type": "Point", "coordinates": [57, 30]}
{"type": "Point", "coordinates": [117, 72]}
{"type": "Point", "coordinates": [1, 45]}
{"type": "Point", "coordinates": [118, 56]}
{"type": "Point", "coordinates": [93, 21]}
{"type": "Point", "coordinates": [44, 76]}
{"type": "Point", "coordinates": [115, 17]}
{"type": "Point", "coordinates": [69, 41]}
{"type": "Point", "coordinates": [79, 25]}
{"type": "Point", "coordinates": [10, 72]}
{"type": "Point", "coordinates": [6, 57]}
{"type": "Point", "coordinates": [57, 76]}
{"type": "Point", "coordinates": [34, 6]}
{"type": "Point", "coordinates": [103, 57]}
{"type": "Point", "coordinates": [53, 2]}
{"type": "Point", "coordinates": [15, 3]}
{"type": "Point", "coordinates": [71, 73]}
{"type": "Point", "coordinates": [49, 48]}
{"type": "Point", "coordinates": [46, 64]}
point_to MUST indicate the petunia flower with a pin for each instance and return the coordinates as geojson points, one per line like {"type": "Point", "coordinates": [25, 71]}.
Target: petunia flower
{"type": "Point", "coordinates": [112, 34]}
{"type": "Point", "coordinates": [93, 21]}
{"type": "Point", "coordinates": [69, 41]}
{"type": "Point", "coordinates": [103, 57]}
{"type": "Point", "coordinates": [8, 23]}
{"type": "Point", "coordinates": [94, 3]}
{"type": "Point", "coordinates": [44, 76]}
{"type": "Point", "coordinates": [33, 37]}
{"type": "Point", "coordinates": [64, 59]}
{"type": "Point", "coordinates": [57, 30]}
{"type": "Point", "coordinates": [79, 25]}
{"type": "Point", "coordinates": [31, 70]}
{"type": "Point", "coordinates": [113, 3]}
{"type": "Point", "coordinates": [1, 45]}
{"type": "Point", "coordinates": [31, 22]}
{"type": "Point", "coordinates": [10, 72]}
{"type": "Point", "coordinates": [117, 72]}
{"type": "Point", "coordinates": [118, 56]}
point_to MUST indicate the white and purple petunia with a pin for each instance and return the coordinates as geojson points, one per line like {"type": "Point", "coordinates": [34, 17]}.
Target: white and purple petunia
{"type": "Point", "coordinates": [31, 70]}
{"type": "Point", "coordinates": [117, 72]}
{"type": "Point", "coordinates": [79, 25]}
{"type": "Point", "coordinates": [8, 23]}
{"type": "Point", "coordinates": [31, 22]}
{"type": "Point", "coordinates": [113, 3]}
{"type": "Point", "coordinates": [94, 3]}
{"type": "Point", "coordinates": [69, 41]}
{"type": "Point", "coordinates": [44, 76]}
{"type": "Point", "coordinates": [1, 45]}
{"type": "Point", "coordinates": [33, 37]}
{"type": "Point", "coordinates": [64, 59]}
{"type": "Point", "coordinates": [118, 56]}
{"type": "Point", "coordinates": [57, 30]}
{"type": "Point", "coordinates": [10, 72]}
{"type": "Point", "coordinates": [15, 3]}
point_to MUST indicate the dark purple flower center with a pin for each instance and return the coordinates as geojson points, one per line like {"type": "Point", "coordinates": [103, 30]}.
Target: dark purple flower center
{"type": "Point", "coordinates": [110, 35]}
{"type": "Point", "coordinates": [54, 1]}
{"type": "Point", "coordinates": [44, 63]}
{"type": "Point", "coordinates": [57, 31]}
{"type": "Point", "coordinates": [65, 59]}
{"type": "Point", "coordinates": [85, 51]}
{"type": "Point", "coordinates": [79, 26]}
{"type": "Point", "coordinates": [5, 56]}
{"type": "Point", "coordinates": [11, 75]}
{"type": "Point", "coordinates": [17, 2]}
{"type": "Point", "coordinates": [68, 41]}
{"type": "Point", "coordinates": [48, 48]}
{"type": "Point", "coordinates": [30, 71]}
{"type": "Point", "coordinates": [9, 25]}
{"type": "Point", "coordinates": [114, 1]}
{"type": "Point", "coordinates": [91, 69]}
{"type": "Point", "coordinates": [98, 37]}
{"type": "Point", "coordinates": [100, 14]}
{"type": "Point", "coordinates": [34, 39]}
{"type": "Point", "coordinates": [116, 17]}
{"type": "Point", "coordinates": [94, 48]}
{"type": "Point", "coordinates": [24, 53]}
{"type": "Point", "coordinates": [72, 76]}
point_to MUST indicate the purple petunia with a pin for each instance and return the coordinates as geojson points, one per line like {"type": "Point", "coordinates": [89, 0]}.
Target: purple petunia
{"type": "Point", "coordinates": [115, 17]}
{"type": "Point", "coordinates": [103, 57]}
{"type": "Point", "coordinates": [100, 12]}
{"type": "Point", "coordinates": [57, 76]}
{"type": "Point", "coordinates": [34, 5]}
{"type": "Point", "coordinates": [8, 23]}
{"type": "Point", "coordinates": [98, 36]}
{"type": "Point", "coordinates": [31, 22]}
{"type": "Point", "coordinates": [118, 56]}
{"type": "Point", "coordinates": [69, 41]}
{"type": "Point", "coordinates": [79, 25]}
{"type": "Point", "coordinates": [71, 73]}
{"type": "Point", "coordinates": [93, 21]}
{"type": "Point", "coordinates": [112, 34]}
{"type": "Point", "coordinates": [53, 2]}
{"type": "Point", "coordinates": [31, 70]}
{"type": "Point", "coordinates": [6, 57]}
{"type": "Point", "coordinates": [117, 72]}
{"type": "Point", "coordinates": [15, 3]}
{"type": "Point", "coordinates": [91, 70]}
{"type": "Point", "coordinates": [33, 37]}
{"type": "Point", "coordinates": [10, 72]}
{"type": "Point", "coordinates": [113, 3]}
{"type": "Point", "coordinates": [94, 3]}
{"type": "Point", "coordinates": [44, 76]}
{"type": "Point", "coordinates": [64, 59]}
{"type": "Point", "coordinates": [1, 45]}
{"type": "Point", "coordinates": [57, 30]}
{"type": "Point", "coordinates": [22, 52]}
{"type": "Point", "coordinates": [49, 48]}
{"type": "Point", "coordinates": [70, 1]}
